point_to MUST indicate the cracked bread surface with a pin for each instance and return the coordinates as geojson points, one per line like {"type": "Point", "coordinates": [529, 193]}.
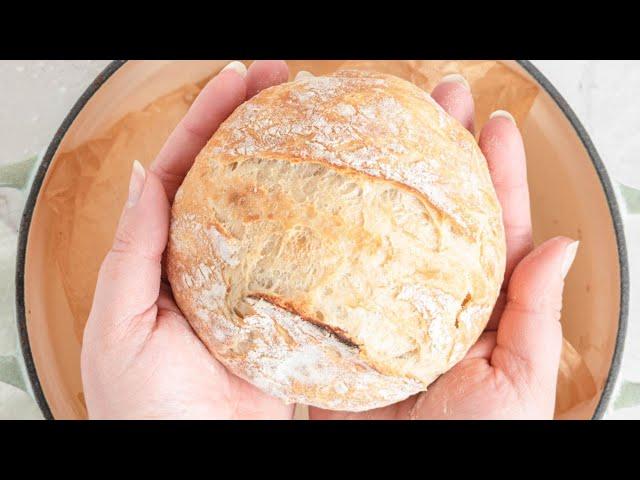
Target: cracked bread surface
{"type": "Point", "coordinates": [338, 242]}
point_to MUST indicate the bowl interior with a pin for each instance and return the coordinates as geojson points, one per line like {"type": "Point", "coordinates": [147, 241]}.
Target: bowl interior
{"type": "Point", "coordinates": [82, 194]}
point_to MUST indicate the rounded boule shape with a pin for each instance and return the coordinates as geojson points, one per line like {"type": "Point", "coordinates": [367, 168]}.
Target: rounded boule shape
{"type": "Point", "coordinates": [338, 242]}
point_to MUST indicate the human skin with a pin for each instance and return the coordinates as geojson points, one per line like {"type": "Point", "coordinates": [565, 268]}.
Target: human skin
{"type": "Point", "coordinates": [141, 359]}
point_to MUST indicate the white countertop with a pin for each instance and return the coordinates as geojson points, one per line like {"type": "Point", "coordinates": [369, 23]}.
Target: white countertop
{"type": "Point", "coordinates": [35, 96]}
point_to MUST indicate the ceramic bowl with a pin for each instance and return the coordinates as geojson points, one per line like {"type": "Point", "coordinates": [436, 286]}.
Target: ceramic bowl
{"type": "Point", "coordinates": [571, 195]}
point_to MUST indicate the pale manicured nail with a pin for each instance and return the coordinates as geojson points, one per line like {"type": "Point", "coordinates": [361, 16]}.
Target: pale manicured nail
{"type": "Point", "coordinates": [136, 184]}
{"type": "Point", "coordinates": [456, 78]}
{"type": "Point", "coordinates": [569, 257]}
{"type": "Point", "coordinates": [303, 74]}
{"type": "Point", "coordinates": [503, 114]}
{"type": "Point", "coordinates": [237, 67]}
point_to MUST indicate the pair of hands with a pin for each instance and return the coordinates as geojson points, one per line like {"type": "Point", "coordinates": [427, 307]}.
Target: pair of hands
{"type": "Point", "coordinates": [141, 359]}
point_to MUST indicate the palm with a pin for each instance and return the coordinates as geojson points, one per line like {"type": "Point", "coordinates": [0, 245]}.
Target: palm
{"type": "Point", "coordinates": [197, 384]}
{"type": "Point", "coordinates": [475, 389]}
{"type": "Point", "coordinates": [471, 389]}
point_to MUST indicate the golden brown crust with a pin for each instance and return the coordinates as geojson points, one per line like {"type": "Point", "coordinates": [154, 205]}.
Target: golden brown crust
{"type": "Point", "coordinates": [349, 204]}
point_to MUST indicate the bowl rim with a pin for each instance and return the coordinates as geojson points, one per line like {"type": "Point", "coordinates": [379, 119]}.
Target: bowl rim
{"type": "Point", "coordinates": [114, 66]}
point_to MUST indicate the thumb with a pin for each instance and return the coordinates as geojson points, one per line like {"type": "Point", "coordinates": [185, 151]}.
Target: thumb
{"type": "Point", "coordinates": [529, 336]}
{"type": "Point", "coordinates": [129, 278]}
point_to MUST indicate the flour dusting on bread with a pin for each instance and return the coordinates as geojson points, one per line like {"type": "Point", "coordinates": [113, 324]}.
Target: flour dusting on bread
{"type": "Point", "coordinates": [338, 242]}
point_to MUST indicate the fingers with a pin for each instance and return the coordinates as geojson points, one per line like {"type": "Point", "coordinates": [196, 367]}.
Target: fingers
{"type": "Point", "coordinates": [129, 278]}
{"type": "Point", "coordinates": [165, 299]}
{"type": "Point", "coordinates": [502, 146]}
{"type": "Point", "coordinates": [454, 96]}
{"type": "Point", "coordinates": [529, 337]}
{"type": "Point", "coordinates": [264, 74]}
{"type": "Point", "coordinates": [483, 347]}
{"type": "Point", "coordinates": [216, 102]}
{"type": "Point", "coordinates": [303, 74]}
{"type": "Point", "coordinates": [498, 308]}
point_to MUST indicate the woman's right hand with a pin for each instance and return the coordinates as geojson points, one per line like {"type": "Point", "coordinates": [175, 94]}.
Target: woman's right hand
{"type": "Point", "coordinates": [511, 372]}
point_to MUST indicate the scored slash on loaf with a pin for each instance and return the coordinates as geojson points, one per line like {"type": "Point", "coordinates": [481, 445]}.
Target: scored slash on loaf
{"type": "Point", "coordinates": [338, 242]}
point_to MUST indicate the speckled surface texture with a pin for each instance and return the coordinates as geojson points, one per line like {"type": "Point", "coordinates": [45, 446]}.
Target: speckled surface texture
{"type": "Point", "coordinates": [35, 96]}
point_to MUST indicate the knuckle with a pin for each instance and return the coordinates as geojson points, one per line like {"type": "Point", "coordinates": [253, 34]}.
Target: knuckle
{"type": "Point", "coordinates": [167, 176]}
{"type": "Point", "coordinates": [195, 129]}
{"type": "Point", "coordinates": [544, 307]}
{"type": "Point", "coordinates": [123, 242]}
{"type": "Point", "coordinates": [125, 246]}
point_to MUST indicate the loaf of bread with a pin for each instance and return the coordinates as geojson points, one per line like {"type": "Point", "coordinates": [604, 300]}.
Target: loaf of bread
{"type": "Point", "coordinates": [338, 242]}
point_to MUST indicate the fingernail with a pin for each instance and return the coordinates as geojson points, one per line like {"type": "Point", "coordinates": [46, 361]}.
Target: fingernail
{"type": "Point", "coordinates": [237, 67]}
{"type": "Point", "coordinates": [303, 74]}
{"type": "Point", "coordinates": [456, 78]}
{"type": "Point", "coordinates": [569, 257]}
{"type": "Point", "coordinates": [503, 114]}
{"type": "Point", "coordinates": [136, 184]}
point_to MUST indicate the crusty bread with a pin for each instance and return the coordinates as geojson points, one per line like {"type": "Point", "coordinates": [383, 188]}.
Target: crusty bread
{"type": "Point", "coordinates": [338, 242]}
